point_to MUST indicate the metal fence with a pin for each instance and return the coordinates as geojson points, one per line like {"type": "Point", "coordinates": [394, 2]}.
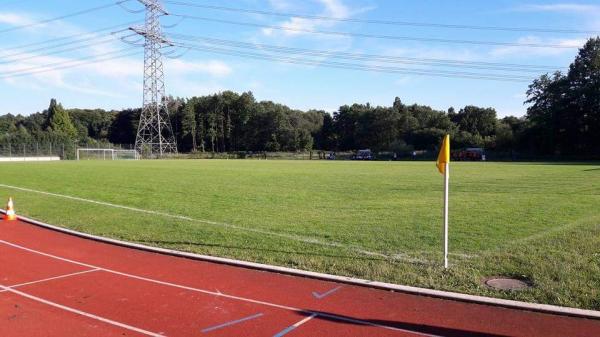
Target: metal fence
{"type": "Point", "coordinates": [63, 150]}
{"type": "Point", "coordinates": [68, 151]}
{"type": "Point", "coordinates": [35, 150]}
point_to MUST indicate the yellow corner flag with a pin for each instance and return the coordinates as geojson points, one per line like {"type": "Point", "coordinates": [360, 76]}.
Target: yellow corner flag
{"type": "Point", "coordinates": [444, 155]}
{"type": "Point", "coordinates": [443, 166]}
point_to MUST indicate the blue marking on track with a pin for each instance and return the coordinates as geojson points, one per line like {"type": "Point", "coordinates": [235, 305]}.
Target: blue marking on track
{"type": "Point", "coordinates": [325, 294]}
{"type": "Point", "coordinates": [230, 323]}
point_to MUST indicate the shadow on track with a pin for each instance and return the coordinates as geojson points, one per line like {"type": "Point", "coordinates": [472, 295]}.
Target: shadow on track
{"type": "Point", "coordinates": [409, 327]}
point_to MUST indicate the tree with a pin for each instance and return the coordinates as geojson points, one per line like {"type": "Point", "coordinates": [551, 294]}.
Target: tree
{"type": "Point", "coordinates": [547, 104]}
{"type": "Point", "coordinates": [58, 120]}
{"type": "Point", "coordinates": [327, 138]}
{"type": "Point", "coordinates": [7, 124]}
{"type": "Point", "coordinates": [581, 119]}
{"type": "Point", "coordinates": [475, 120]}
{"type": "Point", "coordinates": [564, 110]}
{"type": "Point", "coordinates": [187, 141]}
{"type": "Point", "coordinates": [423, 127]}
{"type": "Point", "coordinates": [123, 127]}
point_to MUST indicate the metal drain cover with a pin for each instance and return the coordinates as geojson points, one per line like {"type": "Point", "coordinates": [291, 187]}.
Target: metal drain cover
{"type": "Point", "coordinates": [505, 283]}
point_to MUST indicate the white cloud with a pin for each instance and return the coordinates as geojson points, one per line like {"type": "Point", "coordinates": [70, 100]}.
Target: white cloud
{"type": "Point", "coordinates": [336, 8]}
{"type": "Point", "coordinates": [109, 78]}
{"type": "Point", "coordinates": [587, 14]}
{"type": "Point", "coordinates": [59, 79]}
{"type": "Point", "coordinates": [403, 80]}
{"type": "Point", "coordinates": [420, 58]}
{"type": "Point", "coordinates": [280, 4]}
{"type": "Point", "coordinates": [299, 26]}
{"type": "Point", "coordinates": [33, 25]}
{"type": "Point", "coordinates": [212, 67]}
{"type": "Point", "coordinates": [561, 8]}
{"type": "Point", "coordinates": [188, 88]}
{"type": "Point", "coordinates": [14, 19]}
{"type": "Point", "coordinates": [115, 69]}
{"type": "Point", "coordinates": [526, 51]}
{"type": "Point", "coordinates": [113, 78]}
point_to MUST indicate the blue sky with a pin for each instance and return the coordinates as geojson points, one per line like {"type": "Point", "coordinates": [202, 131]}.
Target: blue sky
{"type": "Point", "coordinates": [116, 83]}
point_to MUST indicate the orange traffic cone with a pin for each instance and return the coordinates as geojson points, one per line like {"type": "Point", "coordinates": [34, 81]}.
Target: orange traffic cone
{"type": "Point", "coordinates": [10, 214]}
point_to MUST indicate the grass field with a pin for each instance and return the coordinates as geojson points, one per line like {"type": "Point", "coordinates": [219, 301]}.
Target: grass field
{"type": "Point", "coordinates": [374, 220]}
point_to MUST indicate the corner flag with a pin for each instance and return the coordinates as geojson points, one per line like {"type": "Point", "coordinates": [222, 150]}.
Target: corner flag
{"type": "Point", "coordinates": [444, 155]}
{"type": "Point", "coordinates": [443, 165]}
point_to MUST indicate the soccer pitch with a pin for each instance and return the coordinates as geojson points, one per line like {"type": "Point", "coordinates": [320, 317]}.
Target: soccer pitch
{"type": "Point", "coordinates": [374, 220]}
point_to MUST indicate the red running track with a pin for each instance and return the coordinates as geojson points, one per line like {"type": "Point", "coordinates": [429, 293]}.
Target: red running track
{"type": "Point", "coordinates": [55, 284]}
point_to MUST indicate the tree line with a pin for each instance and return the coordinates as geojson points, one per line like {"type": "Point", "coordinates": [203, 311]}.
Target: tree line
{"type": "Point", "coordinates": [563, 119]}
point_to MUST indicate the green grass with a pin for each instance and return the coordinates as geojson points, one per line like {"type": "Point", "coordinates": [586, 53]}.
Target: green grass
{"type": "Point", "coordinates": [374, 220]}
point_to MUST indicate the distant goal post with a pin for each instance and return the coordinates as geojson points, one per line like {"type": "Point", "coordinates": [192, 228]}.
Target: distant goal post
{"type": "Point", "coordinates": [107, 154]}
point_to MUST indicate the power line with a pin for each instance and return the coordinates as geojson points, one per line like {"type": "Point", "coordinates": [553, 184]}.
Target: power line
{"type": "Point", "coordinates": [80, 63]}
{"type": "Point", "coordinates": [46, 48]}
{"type": "Point", "coordinates": [64, 50]}
{"type": "Point", "coordinates": [377, 36]}
{"type": "Point", "coordinates": [110, 28]}
{"type": "Point", "coordinates": [382, 22]}
{"type": "Point", "coordinates": [68, 64]}
{"type": "Point", "coordinates": [81, 12]}
{"type": "Point", "coordinates": [353, 66]}
{"type": "Point", "coordinates": [370, 57]}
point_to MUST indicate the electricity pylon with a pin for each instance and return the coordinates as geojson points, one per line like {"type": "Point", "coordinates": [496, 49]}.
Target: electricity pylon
{"type": "Point", "coordinates": [154, 136]}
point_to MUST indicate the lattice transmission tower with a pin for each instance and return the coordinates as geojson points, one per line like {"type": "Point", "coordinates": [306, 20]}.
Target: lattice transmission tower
{"type": "Point", "coordinates": [155, 136]}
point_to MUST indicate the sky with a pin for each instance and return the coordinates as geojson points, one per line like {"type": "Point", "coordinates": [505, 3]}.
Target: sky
{"type": "Point", "coordinates": [116, 83]}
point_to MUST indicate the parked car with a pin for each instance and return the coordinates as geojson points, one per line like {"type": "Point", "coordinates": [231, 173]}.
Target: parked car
{"type": "Point", "coordinates": [363, 155]}
{"type": "Point", "coordinates": [469, 154]}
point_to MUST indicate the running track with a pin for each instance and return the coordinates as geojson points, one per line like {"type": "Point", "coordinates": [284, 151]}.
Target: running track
{"type": "Point", "coordinates": [55, 284]}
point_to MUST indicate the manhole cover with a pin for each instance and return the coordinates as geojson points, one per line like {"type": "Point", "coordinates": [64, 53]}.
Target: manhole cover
{"type": "Point", "coordinates": [505, 283]}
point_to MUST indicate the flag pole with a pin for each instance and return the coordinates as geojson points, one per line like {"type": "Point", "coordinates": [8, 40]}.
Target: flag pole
{"type": "Point", "coordinates": [446, 179]}
{"type": "Point", "coordinates": [443, 165]}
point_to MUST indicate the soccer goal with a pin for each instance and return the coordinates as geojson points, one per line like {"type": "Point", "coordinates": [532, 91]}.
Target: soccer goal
{"type": "Point", "coordinates": [106, 154]}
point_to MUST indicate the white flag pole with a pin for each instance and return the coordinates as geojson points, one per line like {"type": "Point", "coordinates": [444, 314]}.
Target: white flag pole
{"type": "Point", "coordinates": [446, 178]}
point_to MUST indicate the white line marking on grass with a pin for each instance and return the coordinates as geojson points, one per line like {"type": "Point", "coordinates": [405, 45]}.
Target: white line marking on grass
{"type": "Point", "coordinates": [560, 229]}
{"type": "Point", "coordinates": [79, 312]}
{"type": "Point", "coordinates": [219, 294]}
{"type": "Point", "coordinates": [213, 223]}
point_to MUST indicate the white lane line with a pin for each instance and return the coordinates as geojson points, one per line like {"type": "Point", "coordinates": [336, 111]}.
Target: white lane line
{"type": "Point", "coordinates": [249, 300]}
{"type": "Point", "coordinates": [79, 312]}
{"type": "Point", "coordinates": [213, 223]}
{"type": "Point", "coordinates": [51, 278]}
{"type": "Point", "coordinates": [294, 326]}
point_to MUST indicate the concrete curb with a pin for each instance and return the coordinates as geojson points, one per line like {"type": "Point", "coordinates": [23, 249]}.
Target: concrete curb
{"type": "Point", "coordinates": [543, 308]}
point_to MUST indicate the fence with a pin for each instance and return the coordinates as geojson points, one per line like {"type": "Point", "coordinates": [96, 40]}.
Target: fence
{"type": "Point", "coordinates": [68, 151]}
{"type": "Point", "coordinates": [64, 150]}
{"type": "Point", "coordinates": [35, 149]}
